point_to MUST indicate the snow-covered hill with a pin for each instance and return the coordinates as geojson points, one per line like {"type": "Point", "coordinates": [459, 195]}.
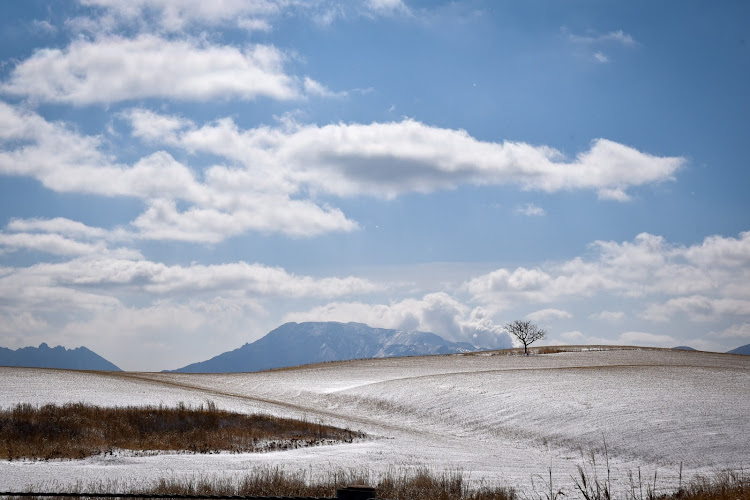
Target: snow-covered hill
{"type": "Point", "coordinates": [500, 418]}
{"type": "Point", "coordinates": [295, 344]}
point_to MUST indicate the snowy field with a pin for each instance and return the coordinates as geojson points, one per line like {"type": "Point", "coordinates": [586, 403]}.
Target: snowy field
{"type": "Point", "coordinates": [498, 418]}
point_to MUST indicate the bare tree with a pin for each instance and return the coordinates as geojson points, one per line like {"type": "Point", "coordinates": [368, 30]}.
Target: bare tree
{"type": "Point", "coordinates": [527, 332]}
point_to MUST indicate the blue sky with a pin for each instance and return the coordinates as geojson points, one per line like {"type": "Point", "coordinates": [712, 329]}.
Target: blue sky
{"type": "Point", "coordinates": [177, 178]}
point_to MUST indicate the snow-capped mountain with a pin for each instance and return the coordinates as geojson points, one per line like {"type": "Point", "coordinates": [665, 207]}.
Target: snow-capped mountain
{"type": "Point", "coordinates": [45, 356]}
{"type": "Point", "coordinates": [294, 344]}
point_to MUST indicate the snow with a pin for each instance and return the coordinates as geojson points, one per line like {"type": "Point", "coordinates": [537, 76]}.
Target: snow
{"type": "Point", "coordinates": [500, 419]}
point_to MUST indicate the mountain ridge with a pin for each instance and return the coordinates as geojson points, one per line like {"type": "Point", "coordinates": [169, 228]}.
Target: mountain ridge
{"type": "Point", "coordinates": [743, 349]}
{"type": "Point", "coordinates": [44, 356]}
{"type": "Point", "coordinates": [293, 344]}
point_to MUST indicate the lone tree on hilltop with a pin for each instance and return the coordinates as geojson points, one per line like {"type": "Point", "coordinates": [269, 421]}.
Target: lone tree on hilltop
{"type": "Point", "coordinates": [527, 332]}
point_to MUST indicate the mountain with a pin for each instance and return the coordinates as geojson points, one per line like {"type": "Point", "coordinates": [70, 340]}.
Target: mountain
{"type": "Point", "coordinates": [743, 349]}
{"type": "Point", "coordinates": [684, 348]}
{"type": "Point", "coordinates": [295, 344]}
{"type": "Point", "coordinates": [43, 356]}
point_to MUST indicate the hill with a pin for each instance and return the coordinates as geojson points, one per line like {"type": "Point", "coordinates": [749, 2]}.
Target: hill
{"type": "Point", "coordinates": [499, 417]}
{"type": "Point", "coordinates": [44, 356]}
{"type": "Point", "coordinates": [743, 349]}
{"type": "Point", "coordinates": [684, 348]}
{"type": "Point", "coordinates": [295, 344]}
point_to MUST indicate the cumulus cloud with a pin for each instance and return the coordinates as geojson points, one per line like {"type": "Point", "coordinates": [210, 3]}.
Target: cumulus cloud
{"type": "Point", "coordinates": [704, 281]}
{"type": "Point", "coordinates": [548, 314]}
{"type": "Point", "coordinates": [273, 174]}
{"type": "Point", "coordinates": [738, 331]}
{"type": "Point", "coordinates": [12, 324]}
{"type": "Point", "coordinates": [699, 308]}
{"type": "Point", "coordinates": [228, 202]}
{"type": "Point", "coordinates": [438, 313]}
{"type": "Point", "coordinates": [112, 68]}
{"type": "Point", "coordinates": [109, 274]}
{"type": "Point", "coordinates": [61, 236]}
{"type": "Point", "coordinates": [389, 159]}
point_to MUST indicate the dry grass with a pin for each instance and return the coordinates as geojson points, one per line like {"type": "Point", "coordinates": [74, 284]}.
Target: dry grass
{"type": "Point", "coordinates": [275, 482]}
{"type": "Point", "coordinates": [725, 486]}
{"type": "Point", "coordinates": [80, 430]}
{"type": "Point", "coordinates": [415, 485]}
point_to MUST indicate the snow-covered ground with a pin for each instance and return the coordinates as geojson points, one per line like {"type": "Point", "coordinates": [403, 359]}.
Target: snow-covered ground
{"type": "Point", "coordinates": [498, 418]}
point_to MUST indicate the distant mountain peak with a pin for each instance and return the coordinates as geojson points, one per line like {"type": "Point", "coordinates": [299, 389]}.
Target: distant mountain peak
{"type": "Point", "coordinates": [293, 344]}
{"type": "Point", "coordinates": [684, 348]}
{"type": "Point", "coordinates": [743, 349]}
{"type": "Point", "coordinates": [80, 358]}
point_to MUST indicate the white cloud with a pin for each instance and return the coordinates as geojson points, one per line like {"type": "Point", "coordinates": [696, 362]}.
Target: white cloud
{"type": "Point", "coordinates": [227, 203]}
{"type": "Point", "coordinates": [618, 37]}
{"type": "Point", "coordinates": [314, 88]}
{"type": "Point", "coordinates": [704, 281]}
{"type": "Point", "coordinates": [389, 159]}
{"type": "Point", "coordinates": [112, 69]}
{"type": "Point", "coordinates": [530, 210]}
{"type": "Point", "coordinates": [147, 125]}
{"type": "Point", "coordinates": [162, 220]}
{"type": "Point", "coordinates": [608, 315]}
{"type": "Point", "coordinates": [108, 274]}
{"type": "Point", "coordinates": [738, 331]}
{"type": "Point", "coordinates": [646, 339]}
{"type": "Point", "coordinates": [438, 313]}
{"type": "Point", "coordinates": [572, 336]}
{"type": "Point", "coordinates": [601, 57]}
{"type": "Point", "coordinates": [176, 15]}
{"type": "Point", "coordinates": [548, 314]}
{"type": "Point", "coordinates": [48, 243]}
{"type": "Point", "coordinates": [630, 338]}
{"type": "Point", "coordinates": [165, 334]}
{"type": "Point", "coordinates": [698, 308]}
{"type": "Point", "coordinates": [17, 323]}
{"type": "Point", "coordinates": [43, 27]}
{"type": "Point", "coordinates": [61, 236]}
{"type": "Point", "coordinates": [275, 173]}
{"type": "Point", "coordinates": [387, 7]}
{"type": "Point", "coordinates": [59, 225]}
{"type": "Point", "coordinates": [593, 43]}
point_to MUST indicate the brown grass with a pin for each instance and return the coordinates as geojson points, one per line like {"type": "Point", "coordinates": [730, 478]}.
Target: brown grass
{"type": "Point", "coordinates": [413, 485]}
{"type": "Point", "coordinates": [725, 486]}
{"type": "Point", "coordinates": [80, 430]}
{"type": "Point", "coordinates": [273, 481]}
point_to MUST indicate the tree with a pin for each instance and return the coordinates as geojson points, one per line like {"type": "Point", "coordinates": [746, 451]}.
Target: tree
{"type": "Point", "coordinates": [527, 332]}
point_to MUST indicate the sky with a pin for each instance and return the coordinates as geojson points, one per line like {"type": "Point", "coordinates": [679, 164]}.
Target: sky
{"type": "Point", "coordinates": [179, 177]}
